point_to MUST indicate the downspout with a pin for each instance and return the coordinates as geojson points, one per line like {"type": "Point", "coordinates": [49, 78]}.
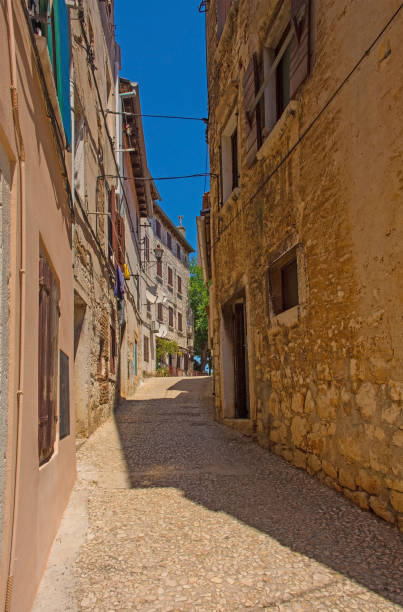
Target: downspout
{"type": "Point", "coordinates": [21, 338]}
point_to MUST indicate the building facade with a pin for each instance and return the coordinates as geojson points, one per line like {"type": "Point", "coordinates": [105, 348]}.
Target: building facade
{"type": "Point", "coordinates": [306, 236]}
{"type": "Point", "coordinates": [167, 299]}
{"type": "Point", "coordinates": [139, 207]}
{"type": "Point", "coordinates": [99, 203]}
{"type": "Point", "coordinates": [37, 428]}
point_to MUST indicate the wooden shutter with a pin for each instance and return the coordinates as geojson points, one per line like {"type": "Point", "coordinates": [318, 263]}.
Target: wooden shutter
{"type": "Point", "coordinates": [250, 88]}
{"type": "Point", "coordinates": [223, 8]}
{"type": "Point", "coordinates": [121, 245]}
{"type": "Point", "coordinates": [299, 52]}
{"type": "Point", "coordinates": [170, 277]}
{"type": "Point", "coordinates": [48, 332]}
{"type": "Point", "coordinates": [179, 321]}
{"type": "Point", "coordinates": [179, 284]}
{"type": "Point", "coordinates": [112, 210]}
{"type": "Point", "coordinates": [159, 269]}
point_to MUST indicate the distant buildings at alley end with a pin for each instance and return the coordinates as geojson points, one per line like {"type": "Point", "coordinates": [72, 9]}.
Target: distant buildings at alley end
{"type": "Point", "coordinates": [300, 237]}
{"type": "Point", "coordinates": [92, 271]}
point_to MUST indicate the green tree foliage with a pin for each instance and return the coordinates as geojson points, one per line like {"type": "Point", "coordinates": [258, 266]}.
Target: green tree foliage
{"type": "Point", "coordinates": [166, 347]}
{"type": "Point", "coordinates": [199, 300]}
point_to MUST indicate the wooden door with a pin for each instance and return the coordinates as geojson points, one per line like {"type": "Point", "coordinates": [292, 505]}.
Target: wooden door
{"type": "Point", "coordinates": [241, 395]}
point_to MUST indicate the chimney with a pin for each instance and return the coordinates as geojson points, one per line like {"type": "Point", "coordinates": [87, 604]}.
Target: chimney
{"type": "Point", "coordinates": [180, 226]}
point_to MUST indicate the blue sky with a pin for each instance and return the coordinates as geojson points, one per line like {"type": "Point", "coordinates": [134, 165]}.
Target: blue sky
{"type": "Point", "coordinates": [163, 49]}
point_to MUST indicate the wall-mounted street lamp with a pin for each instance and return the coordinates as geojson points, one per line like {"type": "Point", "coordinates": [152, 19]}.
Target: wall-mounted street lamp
{"type": "Point", "coordinates": [158, 252]}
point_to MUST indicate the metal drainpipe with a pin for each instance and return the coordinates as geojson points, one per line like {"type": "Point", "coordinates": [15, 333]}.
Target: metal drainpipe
{"type": "Point", "coordinates": [21, 339]}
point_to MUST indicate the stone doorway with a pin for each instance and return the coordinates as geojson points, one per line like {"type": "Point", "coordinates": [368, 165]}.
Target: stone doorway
{"type": "Point", "coordinates": [235, 359]}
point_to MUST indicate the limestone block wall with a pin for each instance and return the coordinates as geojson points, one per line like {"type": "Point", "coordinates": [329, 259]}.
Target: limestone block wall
{"type": "Point", "coordinates": [325, 378]}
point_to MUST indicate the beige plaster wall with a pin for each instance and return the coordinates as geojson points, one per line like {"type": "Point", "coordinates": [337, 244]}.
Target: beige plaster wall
{"type": "Point", "coordinates": [41, 493]}
{"type": "Point", "coordinates": [326, 380]}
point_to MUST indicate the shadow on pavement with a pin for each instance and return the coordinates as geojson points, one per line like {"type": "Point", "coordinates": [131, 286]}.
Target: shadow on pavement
{"type": "Point", "coordinates": [174, 442]}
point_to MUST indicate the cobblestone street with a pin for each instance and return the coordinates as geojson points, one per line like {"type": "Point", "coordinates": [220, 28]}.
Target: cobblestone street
{"type": "Point", "coordinates": [182, 513]}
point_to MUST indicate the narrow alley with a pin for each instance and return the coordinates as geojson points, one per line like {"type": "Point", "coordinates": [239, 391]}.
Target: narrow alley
{"type": "Point", "coordinates": [173, 511]}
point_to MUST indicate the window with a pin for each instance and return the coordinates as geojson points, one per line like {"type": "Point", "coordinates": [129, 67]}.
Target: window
{"type": "Point", "coordinates": [169, 241]}
{"type": "Point", "coordinates": [112, 351]}
{"type": "Point", "coordinates": [160, 312]}
{"type": "Point", "coordinates": [229, 158]}
{"type": "Point", "coordinates": [179, 284]}
{"type": "Point", "coordinates": [170, 277]}
{"type": "Point", "coordinates": [146, 349]}
{"type": "Point", "coordinates": [283, 283]}
{"type": "Point", "coordinates": [171, 317]}
{"type": "Point", "coordinates": [282, 78]}
{"type": "Point", "coordinates": [55, 29]}
{"type": "Point", "coordinates": [116, 229]}
{"type": "Point", "coordinates": [179, 321]}
{"type": "Point", "coordinates": [48, 340]}
{"type": "Point", "coordinates": [146, 248]}
{"type": "Point", "coordinates": [159, 269]}
{"type": "Point", "coordinates": [135, 358]}
{"type": "Point", "coordinates": [223, 8]}
{"type": "Point", "coordinates": [158, 228]}
{"type": "Point", "coordinates": [178, 251]}
{"type": "Point", "coordinates": [273, 76]}
{"type": "Point", "coordinates": [148, 310]}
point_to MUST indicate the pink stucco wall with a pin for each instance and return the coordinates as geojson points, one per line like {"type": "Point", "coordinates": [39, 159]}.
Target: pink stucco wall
{"type": "Point", "coordinates": [42, 492]}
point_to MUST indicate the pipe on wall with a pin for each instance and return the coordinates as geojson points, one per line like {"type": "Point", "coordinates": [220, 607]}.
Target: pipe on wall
{"type": "Point", "coordinates": [21, 336]}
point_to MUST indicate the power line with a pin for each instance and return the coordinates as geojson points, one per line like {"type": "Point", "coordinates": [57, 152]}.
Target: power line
{"type": "Point", "coordinates": [310, 126]}
{"type": "Point", "coordinates": [161, 178]}
{"type": "Point", "coordinates": [185, 118]}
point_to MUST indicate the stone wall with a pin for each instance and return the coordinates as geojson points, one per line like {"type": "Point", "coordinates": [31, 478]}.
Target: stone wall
{"type": "Point", "coordinates": [325, 378]}
{"type": "Point", "coordinates": [96, 381]}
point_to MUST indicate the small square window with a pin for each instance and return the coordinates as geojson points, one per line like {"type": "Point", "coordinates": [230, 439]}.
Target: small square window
{"type": "Point", "coordinates": [283, 283]}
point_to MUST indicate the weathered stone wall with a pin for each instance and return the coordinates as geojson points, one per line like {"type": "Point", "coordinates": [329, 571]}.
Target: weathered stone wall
{"type": "Point", "coordinates": [325, 381]}
{"type": "Point", "coordinates": [96, 385]}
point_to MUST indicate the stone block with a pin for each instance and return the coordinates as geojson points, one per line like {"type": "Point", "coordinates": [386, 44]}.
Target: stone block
{"type": "Point", "coordinates": [286, 454]}
{"type": "Point", "coordinates": [391, 413]}
{"type": "Point", "coordinates": [396, 499]}
{"type": "Point", "coordinates": [380, 508]}
{"type": "Point", "coordinates": [369, 482]}
{"type": "Point", "coordinates": [379, 370]}
{"type": "Point", "coordinates": [299, 430]}
{"type": "Point", "coordinates": [309, 405]}
{"type": "Point", "coordinates": [366, 400]}
{"type": "Point", "coordinates": [379, 457]}
{"type": "Point", "coordinates": [326, 402]}
{"type": "Point", "coordinates": [397, 439]}
{"type": "Point", "coordinates": [314, 463]}
{"type": "Point", "coordinates": [358, 497]}
{"type": "Point", "coordinates": [329, 469]}
{"type": "Point", "coordinates": [297, 403]}
{"type": "Point", "coordinates": [394, 483]}
{"type": "Point", "coordinates": [316, 443]}
{"type": "Point", "coordinates": [274, 405]}
{"type": "Point", "coordinates": [300, 459]}
{"type": "Point", "coordinates": [354, 448]}
{"type": "Point", "coordinates": [396, 390]}
{"type": "Point", "coordinates": [346, 479]}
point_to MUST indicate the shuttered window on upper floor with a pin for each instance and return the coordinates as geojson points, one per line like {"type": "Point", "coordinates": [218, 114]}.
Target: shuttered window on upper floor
{"type": "Point", "coordinates": [223, 9]}
{"type": "Point", "coordinates": [273, 76]}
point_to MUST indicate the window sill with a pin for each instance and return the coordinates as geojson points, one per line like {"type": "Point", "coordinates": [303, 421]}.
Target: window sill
{"type": "Point", "coordinates": [287, 318]}
{"type": "Point", "coordinates": [171, 289]}
{"type": "Point", "coordinates": [179, 296]}
{"type": "Point", "coordinates": [282, 125]}
{"type": "Point", "coordinates": [159, 280]}
{"type": "Point", "coordinates": [233, 196]}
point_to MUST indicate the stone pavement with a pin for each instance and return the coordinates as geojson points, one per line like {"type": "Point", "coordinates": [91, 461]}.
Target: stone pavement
{"type": "Point", "coordinates": [182, 513]}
